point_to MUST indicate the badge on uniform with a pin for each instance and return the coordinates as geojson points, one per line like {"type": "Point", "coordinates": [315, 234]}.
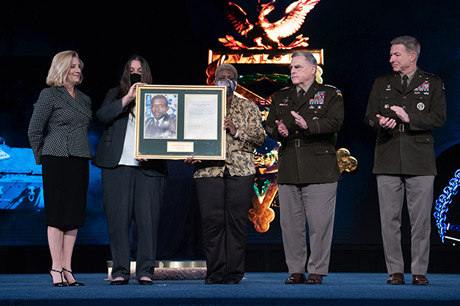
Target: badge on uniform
{"type": "Point", "coordinates": [425, 88]}
{"type": "Point", "coordinates": [420, 106]}
{"type": "Point", "coordinates": [318, 98]}
{"type": "Point", "coordinates": [285, 102]}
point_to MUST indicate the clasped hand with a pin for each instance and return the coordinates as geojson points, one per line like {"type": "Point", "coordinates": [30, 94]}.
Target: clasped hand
{"type": "Point", "coordinates": [282, 129]}
{"type": "Point", "coordinates": [388, 123]}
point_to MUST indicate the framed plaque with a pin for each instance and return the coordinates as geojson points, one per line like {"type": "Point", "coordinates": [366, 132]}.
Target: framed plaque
{"type": "Point", "coordinates": [175, 122]}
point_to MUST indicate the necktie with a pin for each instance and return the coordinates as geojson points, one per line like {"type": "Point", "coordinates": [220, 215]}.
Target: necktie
{"type": "Point", "coordinates": [301, 94]}
{"type": "Point", "coordinates": [404, 83]}
{"type": "Point", "coordinates": [157, 123]}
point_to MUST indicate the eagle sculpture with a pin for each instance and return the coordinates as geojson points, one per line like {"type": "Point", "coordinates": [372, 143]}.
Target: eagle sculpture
{"type": "Point", "coordinates": [264, 33]}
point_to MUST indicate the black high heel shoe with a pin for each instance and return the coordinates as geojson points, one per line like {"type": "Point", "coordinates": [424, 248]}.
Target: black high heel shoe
{"type": "Point", "coordinates": [62, 283]}
{"type": "Point", "coordinates": [75, 283]}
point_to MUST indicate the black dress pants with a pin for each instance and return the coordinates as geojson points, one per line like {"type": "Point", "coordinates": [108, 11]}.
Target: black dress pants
{"type": "Point", "coordinates": [129, 195]}
{"type": "Point", "coordinates": [224, 205]}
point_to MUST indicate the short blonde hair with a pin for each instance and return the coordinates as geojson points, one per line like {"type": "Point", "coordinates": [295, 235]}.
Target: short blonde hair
{"type": "Point", "coordinates": [60, 67]}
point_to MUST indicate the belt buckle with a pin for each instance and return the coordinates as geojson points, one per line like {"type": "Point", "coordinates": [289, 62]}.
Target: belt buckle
{"type": "Point", "coordinates": [401, 128]}
{"type": "Point", "coordinates": [297, 143]}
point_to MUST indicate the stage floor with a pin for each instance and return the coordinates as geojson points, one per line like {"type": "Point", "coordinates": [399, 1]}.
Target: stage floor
{"type": "Point", "coordinates": [255, 289]}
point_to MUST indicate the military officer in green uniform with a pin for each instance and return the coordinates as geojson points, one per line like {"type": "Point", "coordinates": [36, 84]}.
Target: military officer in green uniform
{"type": "Point", "coordinates": [403, 108]}
{"type": "Point", "coordinates": [304, 119]}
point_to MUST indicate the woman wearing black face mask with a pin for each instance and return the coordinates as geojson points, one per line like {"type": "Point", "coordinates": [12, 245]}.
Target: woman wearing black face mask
{"type": "Point", "coordinates": [132, 189]}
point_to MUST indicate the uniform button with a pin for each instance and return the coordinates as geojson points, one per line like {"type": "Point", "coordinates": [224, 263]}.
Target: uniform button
{"type": "Point", "coordinates": [297, 132]}
{"type": "Point", "coordinates": [404, 97]}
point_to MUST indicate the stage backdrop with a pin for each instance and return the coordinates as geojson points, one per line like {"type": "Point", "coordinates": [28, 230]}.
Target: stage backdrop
{"type": "Point", "coordinates": [175, 38]}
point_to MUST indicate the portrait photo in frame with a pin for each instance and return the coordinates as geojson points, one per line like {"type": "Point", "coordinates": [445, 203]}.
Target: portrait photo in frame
{"type": "Point", "coordinates": [178, 121]}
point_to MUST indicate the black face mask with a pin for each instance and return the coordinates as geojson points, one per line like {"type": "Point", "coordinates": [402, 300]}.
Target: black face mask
{"type": "Point", "coordinates": [135, 78]}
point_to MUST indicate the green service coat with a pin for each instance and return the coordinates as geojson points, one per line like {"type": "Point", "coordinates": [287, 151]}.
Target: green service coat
{"type": "Point", "coordinates": [307, 156]}
{"type": "Point", "coordinates": [408, 148]}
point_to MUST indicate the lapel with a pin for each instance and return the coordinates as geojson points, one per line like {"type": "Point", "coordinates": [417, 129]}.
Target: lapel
{"type": "Point", "coordinates": [310, 94]}
{"type": "Point", "coordinates": [396, 83]}
{"type": "Point", "coordinates": [289, 97]}
{"type": "Point", "coordinates": [165, 123]}
{"type": "Point", "coordinates": [417, 80]}
{"type": "Point", "coordinates": [80, 103]}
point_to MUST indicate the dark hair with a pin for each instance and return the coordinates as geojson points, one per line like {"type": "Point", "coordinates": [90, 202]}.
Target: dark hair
{"type": "Point", "coordinates": [125, 82]}
{"type": "Point", "coordinates": [161, 97]}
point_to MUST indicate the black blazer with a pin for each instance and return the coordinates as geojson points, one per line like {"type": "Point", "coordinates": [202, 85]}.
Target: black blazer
{"type": "Point", "coordinates": [110, 148]}
{"type": "Point", "coordinates": [66, 120]}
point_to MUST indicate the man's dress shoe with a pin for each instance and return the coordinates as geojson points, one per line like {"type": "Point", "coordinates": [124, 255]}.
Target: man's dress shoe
{"type": "Point", "coordinates": [396, 279]}
{"type": "Point", "coordinates": [420, 280]}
